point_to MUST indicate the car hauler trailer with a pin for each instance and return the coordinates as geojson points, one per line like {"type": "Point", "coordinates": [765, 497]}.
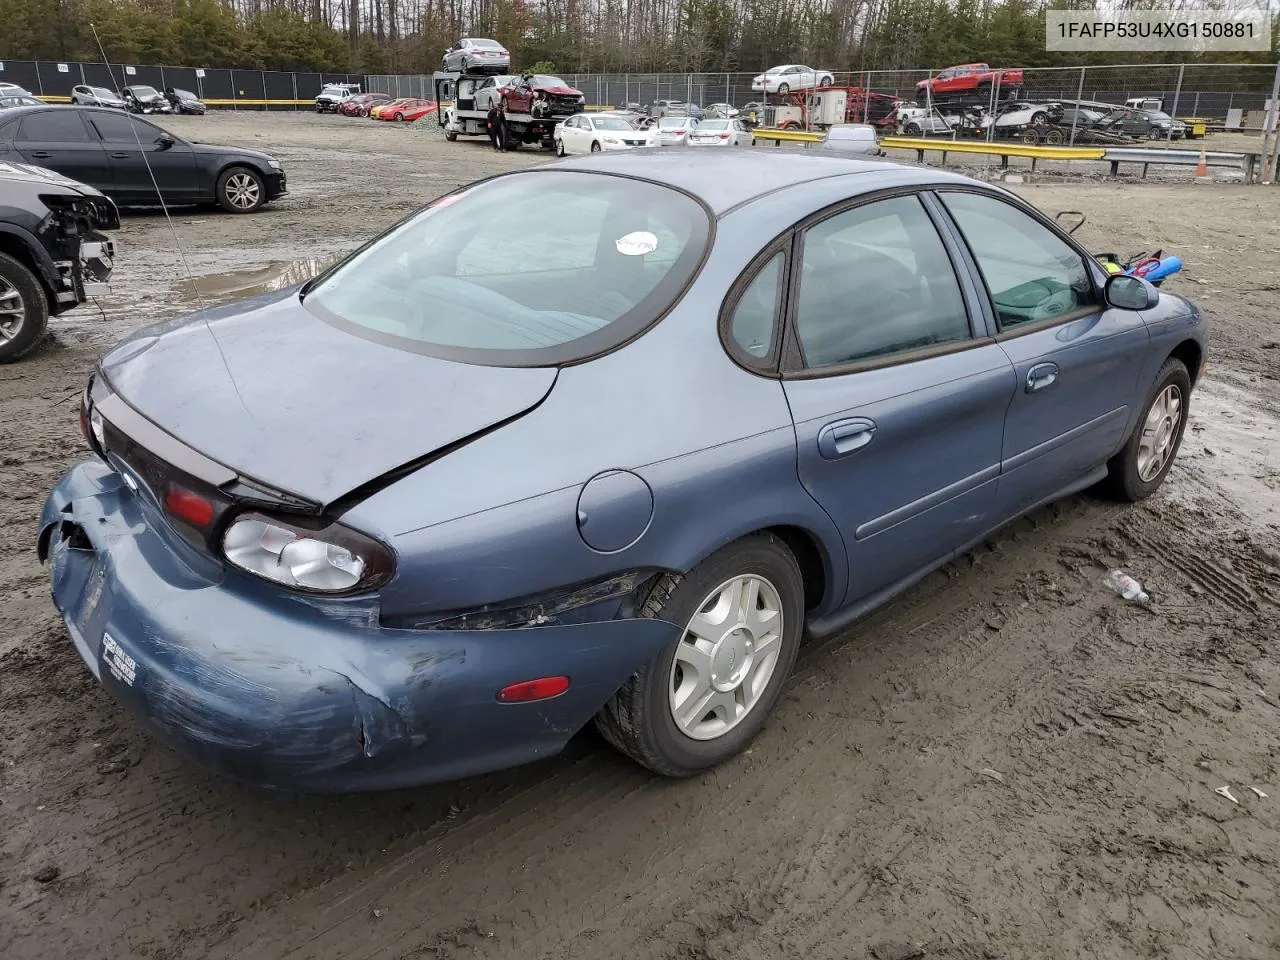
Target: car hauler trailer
{"type": "Point", "coordinates": [466, 118]}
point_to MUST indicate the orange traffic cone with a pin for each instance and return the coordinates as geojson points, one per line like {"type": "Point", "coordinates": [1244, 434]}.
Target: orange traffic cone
{"type": "Point", "coordinates": [1202, 168]}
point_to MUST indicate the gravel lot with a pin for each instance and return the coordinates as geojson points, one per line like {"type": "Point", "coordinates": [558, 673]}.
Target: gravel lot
{"type": "Point", "coordinates": [1007, 761]}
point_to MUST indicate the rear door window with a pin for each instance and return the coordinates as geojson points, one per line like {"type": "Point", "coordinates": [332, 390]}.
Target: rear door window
{"type": "Point", "coordinates": [54, 126]}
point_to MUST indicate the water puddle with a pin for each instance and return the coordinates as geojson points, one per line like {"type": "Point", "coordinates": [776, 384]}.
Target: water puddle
{"type": "Point", "coordinates": [1233, 450]}
{"type": "Point", "coordinates": [271, 276]}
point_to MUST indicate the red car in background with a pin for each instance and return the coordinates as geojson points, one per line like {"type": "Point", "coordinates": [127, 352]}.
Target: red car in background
{"type": "Point", "coordinates": [970, 78]}
{"type": "Point", "coordinates": [358, 106]}
{"type": "Point", "coordinates": [541, 95]}
{"type": "Point", "coordinates": [408, 111]}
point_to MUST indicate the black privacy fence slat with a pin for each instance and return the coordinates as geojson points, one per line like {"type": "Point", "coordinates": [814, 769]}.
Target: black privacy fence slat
{"type": "Point", "coordinates": [1200, 90]}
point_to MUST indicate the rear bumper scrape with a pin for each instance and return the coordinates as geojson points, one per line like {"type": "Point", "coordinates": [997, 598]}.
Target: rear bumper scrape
{"type": "Point", "coordinates": [278, 690]}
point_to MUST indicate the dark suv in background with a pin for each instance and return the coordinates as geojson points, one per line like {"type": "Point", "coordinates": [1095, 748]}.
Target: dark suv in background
{"type": "Point", "coordinates": [53, 253]}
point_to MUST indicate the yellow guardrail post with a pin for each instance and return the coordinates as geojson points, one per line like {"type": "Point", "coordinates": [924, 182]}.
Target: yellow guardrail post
{"type": "Point", "coordinates": [1004, 151]}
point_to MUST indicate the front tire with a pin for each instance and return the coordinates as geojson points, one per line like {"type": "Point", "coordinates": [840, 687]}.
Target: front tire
{"type": "Point", "coordinates": [706, 695]}
{"type": "Point", "coordinates": [241, 190]}
{"type": "Point", "coordinates": [1137, 471]}
{"type": "Point", "coordinates": [595, 146]}
{"type": "Point", "coordinates": [24, 311]}
{"type": "Point", "coordinates": [913, 130]}
{"type": "Point", "coordinates": [560, 148]}
{"type": "Point", "coordinates": [826, 82]}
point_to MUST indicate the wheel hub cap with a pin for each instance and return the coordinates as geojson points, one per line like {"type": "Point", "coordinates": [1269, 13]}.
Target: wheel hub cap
{"type": "Point", "coordinates": [242, 191]}
{"type": "Point", "coordinates": [12, 310]}
{"type": "Point", "coordinates": [1159, 432]}
{"type": "Point", "coordinates": [726, 657]}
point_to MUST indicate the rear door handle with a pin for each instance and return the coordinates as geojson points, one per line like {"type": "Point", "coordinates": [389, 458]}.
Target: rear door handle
{"type": "Point", "coordinates": [41, 154]}
{"type": "Point", "coordinates": [1041, 375]}
{"type": "Point", "coordinates": [843, 437]}
{"type": "Point", "coordinates": [121, 156]}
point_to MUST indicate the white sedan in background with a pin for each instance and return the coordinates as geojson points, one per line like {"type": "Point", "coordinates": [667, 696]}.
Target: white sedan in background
{"type": "Point", "coordinates": [792, 76]}
{"type": "Point", "coordinates": [593, 133]}
{"type": "Point", "coordinates": [719, 133]}
{"type": "Point", "coordinates": [674, 131]}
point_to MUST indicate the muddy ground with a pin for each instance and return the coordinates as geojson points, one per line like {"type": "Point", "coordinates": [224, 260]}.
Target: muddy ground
{"type": "Point", "coordinates": [1007, 761]}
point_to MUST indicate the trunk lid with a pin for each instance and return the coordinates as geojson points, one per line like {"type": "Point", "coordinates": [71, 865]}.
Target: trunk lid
{"type": "Point", "coordinates": [284, 398]}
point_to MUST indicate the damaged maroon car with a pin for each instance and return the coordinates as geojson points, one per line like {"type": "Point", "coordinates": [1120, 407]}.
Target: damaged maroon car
{"type": "Point", "coordinates": [541, 95]}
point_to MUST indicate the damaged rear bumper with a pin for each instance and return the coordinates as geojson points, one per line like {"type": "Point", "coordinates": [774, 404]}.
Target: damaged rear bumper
{"type": "Point", "coordinates": [296, 693]}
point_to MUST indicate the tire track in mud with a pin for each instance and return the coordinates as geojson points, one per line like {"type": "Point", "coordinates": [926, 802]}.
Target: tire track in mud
{"type": "Point", "coordinates": [967, 647]}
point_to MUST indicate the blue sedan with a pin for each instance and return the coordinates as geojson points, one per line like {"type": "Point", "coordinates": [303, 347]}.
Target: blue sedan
{"type": "Point", "coordinates": [594, 441]}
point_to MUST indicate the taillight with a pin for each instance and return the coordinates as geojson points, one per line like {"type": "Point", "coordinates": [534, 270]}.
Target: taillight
{"type": "Point", "coordinates": [189, 506]}
{"type": "Point", "coordinates": [679, 133]}
{"type": "Point", "coordinates": [724, 136]}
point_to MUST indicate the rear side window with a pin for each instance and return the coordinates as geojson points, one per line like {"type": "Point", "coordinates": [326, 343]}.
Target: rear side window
{"type": "Point", "coordinates": [752, 323]}
{"type": "Point", "coordinates": [526, 269]}
{"type": "Point", "coordinates": [1032, 274]}
{"type": "Point", "coordinates": [56, 126]}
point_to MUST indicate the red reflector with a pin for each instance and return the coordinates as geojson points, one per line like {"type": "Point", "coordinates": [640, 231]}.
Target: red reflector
{"type": "Point", "coordinates": [189, 506]}
{"type": "Point", "coordinates": [544, 688]}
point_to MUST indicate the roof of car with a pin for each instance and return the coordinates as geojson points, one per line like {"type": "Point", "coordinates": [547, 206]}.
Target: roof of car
{"type": "Point", "coordinates": [725, 179]}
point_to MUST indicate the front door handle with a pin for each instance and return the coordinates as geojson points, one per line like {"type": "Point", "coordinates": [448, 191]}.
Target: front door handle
{"type": "Point", "coordinates": [121, 156]}
{"type": "Point", "coordinates": [843, 437]}
{"type": "Point", "coordinates": [41, 154]}
{"type": "Point", "coordinates": [1041, 375]}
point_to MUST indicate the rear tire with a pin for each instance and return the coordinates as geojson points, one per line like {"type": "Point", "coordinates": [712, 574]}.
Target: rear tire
{"type": "Point", "coordinates": [640, 718]}
{"type": "Point", "coordinates": [826, 82]}
{"type": "Point", "coordinates": [24, 311]}
{"type": "Point", "coordinates": [913, 130]}
{"type": "Point", "coordinates": [1137, 471]}
{"type": "Point", "coordinates": [784, 89]}
{"type": "Point", "coordinates": [560, 148]}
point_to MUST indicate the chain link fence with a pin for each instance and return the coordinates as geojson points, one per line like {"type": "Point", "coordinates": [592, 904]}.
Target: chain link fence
{"type": "Point", "coordinates": [1211, 91]}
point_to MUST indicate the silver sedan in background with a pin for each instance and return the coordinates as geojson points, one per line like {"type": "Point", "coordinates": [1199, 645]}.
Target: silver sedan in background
{"type": "Point", "coordinates": [472, 54]}
{"type": "Point", "coordinates": [674, 131]}
{"type": "Point", "coordinates": [720, 133]}
{"type": "Point", "coordinates": [87, 96]}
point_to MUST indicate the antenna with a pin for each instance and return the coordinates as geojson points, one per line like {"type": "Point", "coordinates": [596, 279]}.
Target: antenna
{"type": "Point", "coordinates": [177, 242]}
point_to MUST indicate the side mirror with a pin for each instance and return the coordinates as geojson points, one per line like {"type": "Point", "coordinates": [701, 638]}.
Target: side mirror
{"type": "Point", "coordinates": [165, 141]}
{"type": "Point", "coordinates": [1130, 293]}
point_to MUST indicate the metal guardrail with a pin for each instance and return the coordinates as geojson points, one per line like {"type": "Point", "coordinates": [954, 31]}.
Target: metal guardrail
{"type": "Point", "coordinates": [1147, 156]}
{"type": "Point", "coordinates": [1002, 149]}
{"type": "Point", "coordinates": [790, 136]}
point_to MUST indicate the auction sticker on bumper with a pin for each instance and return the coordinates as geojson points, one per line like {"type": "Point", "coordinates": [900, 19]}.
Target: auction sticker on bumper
{"type": "Point", "coordinates": [122, 666]}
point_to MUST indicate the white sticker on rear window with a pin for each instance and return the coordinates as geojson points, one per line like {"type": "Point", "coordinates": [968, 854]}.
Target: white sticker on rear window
{"type": "Point", "coordinates": [637, 244]}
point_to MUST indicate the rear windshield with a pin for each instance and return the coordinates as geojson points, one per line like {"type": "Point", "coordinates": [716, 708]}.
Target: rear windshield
{"type": "Point", "coordinates": [673, 123]}
{"type": "Point", "coordinates": [527, 269]}
{"type": "Point", "coordinates": [487, 44]}
{"type": "Point", "coordinates": [714, 125]}
{"type": "Point", "coordinates": [612, 123]}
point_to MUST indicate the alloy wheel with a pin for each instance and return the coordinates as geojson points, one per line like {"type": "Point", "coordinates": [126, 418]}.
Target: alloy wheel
{"type": "Point", "coordinates": [13, 312]}
{"type": "Point", "coordinates": [726, 657]}
{"type": "Point", "coordinates": [1159, 433]}
{"type": "Point", "coordinates": [243, 191]}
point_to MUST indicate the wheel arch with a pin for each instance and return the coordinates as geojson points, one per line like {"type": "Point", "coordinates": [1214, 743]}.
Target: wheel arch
{"type": "Point", "coordinates": [24, 248]}
{"type": "Point", "coordinates": [1192, 357]}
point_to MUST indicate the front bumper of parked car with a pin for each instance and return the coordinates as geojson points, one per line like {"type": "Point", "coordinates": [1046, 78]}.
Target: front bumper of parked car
{"type": "Point", "coordinates": [290, 692]}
